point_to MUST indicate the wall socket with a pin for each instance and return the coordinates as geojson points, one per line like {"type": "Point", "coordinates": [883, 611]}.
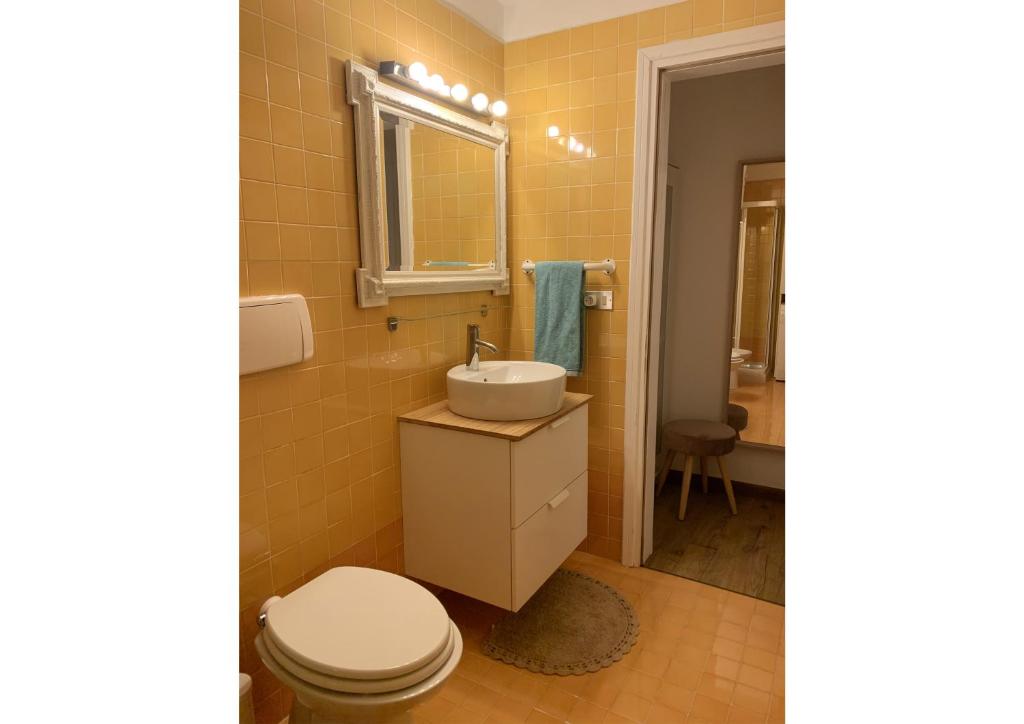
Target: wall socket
{"type": "Point", "coordinates": [597, 299]}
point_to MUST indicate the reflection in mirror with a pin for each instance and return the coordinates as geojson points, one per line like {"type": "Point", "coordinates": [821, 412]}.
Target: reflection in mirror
{"type": "Point", "coordinates": [758, 356]}
{"type": "Point", "coordinates": [439, 194]}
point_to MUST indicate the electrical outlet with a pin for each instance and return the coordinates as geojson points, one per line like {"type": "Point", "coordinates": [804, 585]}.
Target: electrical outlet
{"type": "Point", "coordinates": [597, 299]}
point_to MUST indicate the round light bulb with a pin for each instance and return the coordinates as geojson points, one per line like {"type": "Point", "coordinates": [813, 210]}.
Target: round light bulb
{"type": "Point", "coordinates": [445, 91]}
{"type": "Point", "coordinates": [552, 131]}
{"type": "Point", "coordinates": [436, 82]}
{"type": "Point", "coordinates": [418, 71]}
{"type": "Point", "coordinates": [480, 102]}
{"type": "Point", "coordinates": [460, 92]}
{"type": "Point", "coordinates": [499, 109]}
{"type": "Point", "coordinates": [572, 143]}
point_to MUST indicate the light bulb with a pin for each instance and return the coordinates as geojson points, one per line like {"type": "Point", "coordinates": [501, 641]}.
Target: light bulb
{"type": "Point", "coordinates": [436, 82]}
{"type": "Point", "coordinates": [418, 71]}
{"type": "Point", "coordinates": [572, 143]}
{"type": "Point", "coordinates": [499, 109]}
{"type": "Point", "coordinates": [445, 91]}
{"type": "Point", "coordinates": [460, 92]}
{"type": "Point", "coordinates": [552, 131]}
{"type": "Point", "coordinates": [480, 102]}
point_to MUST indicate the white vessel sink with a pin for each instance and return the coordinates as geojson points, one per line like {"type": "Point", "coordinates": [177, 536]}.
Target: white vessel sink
{"type": "Point", "coordinates": [506, 390]}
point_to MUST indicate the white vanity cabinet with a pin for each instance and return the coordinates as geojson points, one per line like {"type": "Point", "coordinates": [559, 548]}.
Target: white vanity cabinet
{"type": "Point", "coordinates": [492, 509]}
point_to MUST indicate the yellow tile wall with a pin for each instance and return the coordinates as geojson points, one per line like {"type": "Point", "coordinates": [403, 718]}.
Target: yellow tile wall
{"type": "Point", "coordinates": [318, 457]}
{"type": "Point", "coordinates": [570, 205]}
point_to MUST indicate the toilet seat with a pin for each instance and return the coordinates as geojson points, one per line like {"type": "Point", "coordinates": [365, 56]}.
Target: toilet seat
{"type": "Point", "coordinates": [358, 686]}
{"type": "Point", "coordinates": [359, 631]}
{"type": "Point", "coordinates": [337, 702]}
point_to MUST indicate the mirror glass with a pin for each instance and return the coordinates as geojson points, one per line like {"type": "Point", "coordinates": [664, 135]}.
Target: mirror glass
{"type": "Point", "coordinates": [439, 191]}
{"type": "Point", "coordinates": [758, 356]}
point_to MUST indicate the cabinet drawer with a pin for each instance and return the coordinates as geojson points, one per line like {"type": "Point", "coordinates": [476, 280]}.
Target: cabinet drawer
{"type": "Point", "coordinates": [546, 462]}
{"type": "Point", "coordinates": [542, 543]}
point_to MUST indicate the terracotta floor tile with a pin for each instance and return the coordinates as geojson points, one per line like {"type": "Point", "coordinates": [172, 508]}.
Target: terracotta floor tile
{"type": "Point", "coordinates": [722, 666]}
{"type": "Point", "coordinates": [464, 716]}
{"type": "Point", "coordinates": [690, 655]}
{"type": "Point", "coordinates": [728, 649]}
{"type": "Point", "coordinates": [757, 678]}
{"type": "Point", "coordinates": [652, 663]}
{"type": "Point", "coordinates": [631, 706]}
{"type": "Point", "coordinates": [556, 701]}
{"type": "Point", "coordinates": [642, 685]}
{"type": "Point", "coordinates": [759, 657]}
{"type": "Point", "coordinates": [716, 687]}
{"type": "Point", "coordinates": [704, 656]}
{"type": "Point", "coordinates": [683, 675]}
{"type": "Point", "coordinates": [661, 714]}
{"type": "Point", "coordinates": [749, 698]}
{"type": "Point", "coordinates": [708, 709]}
{"type": "Point", "coordinates": [742, 716]}
{"type": "Point", "coordinates": [674, 697]}
{"type": "Point", "coordinates": [762, 640]}
{"type": "Point", "coordinates": [585, 712]}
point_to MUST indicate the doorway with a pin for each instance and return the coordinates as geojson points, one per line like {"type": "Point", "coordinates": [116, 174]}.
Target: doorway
{"type": "Point", "coordinates": [658, 68]}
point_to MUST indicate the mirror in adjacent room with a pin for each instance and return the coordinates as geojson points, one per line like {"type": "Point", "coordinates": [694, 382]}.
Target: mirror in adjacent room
{"type": "Point", "coordinates": [757, 372]}
{"type": "Point", "coordinates": [439, 199]}
{"type": "Point", "coordinates": [431, 193]}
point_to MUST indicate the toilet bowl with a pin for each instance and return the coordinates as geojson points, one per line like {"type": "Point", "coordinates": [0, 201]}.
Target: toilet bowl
{"type": "Point", "coordinates": [358, 645]}
{"type": "Point", "coordinates": [738, 356]}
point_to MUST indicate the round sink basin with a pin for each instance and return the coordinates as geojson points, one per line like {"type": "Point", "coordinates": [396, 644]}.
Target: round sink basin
{"type": "Point", "coordinates": [506, 390]}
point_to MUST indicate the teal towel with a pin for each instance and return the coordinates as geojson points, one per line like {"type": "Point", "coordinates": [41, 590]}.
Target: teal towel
{"type": "Point", "coordinates": [558, 324]}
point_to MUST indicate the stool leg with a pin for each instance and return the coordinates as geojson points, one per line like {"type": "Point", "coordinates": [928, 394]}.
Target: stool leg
{"type": "Point", "coordinates": [663, 475]}
{"type": "Point", "coordinates": [728, 485]}
{"type": "Point", "coordinates": [687, 472]}
{"type": "Point", "coordinates": [704, 474]}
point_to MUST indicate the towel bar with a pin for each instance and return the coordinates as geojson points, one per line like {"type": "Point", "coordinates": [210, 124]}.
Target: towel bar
{"type": "Point", "coordinates": [607, 266]}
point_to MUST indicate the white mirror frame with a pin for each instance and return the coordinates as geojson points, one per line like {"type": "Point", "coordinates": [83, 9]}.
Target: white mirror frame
{"type": "Point", "coordinates": [374, 284]}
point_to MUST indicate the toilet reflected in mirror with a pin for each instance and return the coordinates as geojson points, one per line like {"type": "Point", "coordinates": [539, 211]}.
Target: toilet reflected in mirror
{"type": "Point", "coordinates": [757, 365]}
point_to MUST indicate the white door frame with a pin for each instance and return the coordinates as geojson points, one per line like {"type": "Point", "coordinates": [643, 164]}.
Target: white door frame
{"type": "Point", "coordinates": [657, 67]}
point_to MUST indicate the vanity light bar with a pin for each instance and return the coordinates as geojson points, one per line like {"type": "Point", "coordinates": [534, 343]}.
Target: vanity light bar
{"type": "Point", "coordinates": [416, 75]}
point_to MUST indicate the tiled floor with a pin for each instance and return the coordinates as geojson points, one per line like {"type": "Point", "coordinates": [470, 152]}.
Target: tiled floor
{"type": "Point", "coordinates": [704, 656]}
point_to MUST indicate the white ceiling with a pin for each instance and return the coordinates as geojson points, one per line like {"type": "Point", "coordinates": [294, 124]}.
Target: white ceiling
{"type": "Point", "coordinates": [509, 20]}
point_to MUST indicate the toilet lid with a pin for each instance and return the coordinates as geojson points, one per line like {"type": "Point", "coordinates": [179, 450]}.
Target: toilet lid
{"type": "Point", "coordinates": [360, 623]}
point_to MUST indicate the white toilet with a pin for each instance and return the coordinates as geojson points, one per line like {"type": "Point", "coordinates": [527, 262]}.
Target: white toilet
{"type": "Point", "coordinates": [738, 355]}
{"type": "Point", "coordinates": [358, 645]}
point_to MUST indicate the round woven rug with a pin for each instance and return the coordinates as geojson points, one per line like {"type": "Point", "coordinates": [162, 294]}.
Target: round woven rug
{"type": "Point", "coordinates": [574, 624]}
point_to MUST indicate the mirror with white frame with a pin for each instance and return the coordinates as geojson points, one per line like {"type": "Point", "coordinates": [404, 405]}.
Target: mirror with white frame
{"type": "Point", "coordinates": [431, 192]}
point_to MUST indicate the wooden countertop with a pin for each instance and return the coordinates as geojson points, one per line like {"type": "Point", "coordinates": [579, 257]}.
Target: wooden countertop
{"type": "Point", "coordinates": [438, 415]}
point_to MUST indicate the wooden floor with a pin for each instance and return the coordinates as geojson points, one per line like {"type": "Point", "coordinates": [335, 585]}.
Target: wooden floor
{"type": "Point", "coordinates": [766, 410]}
{"type": "Point", "coordinates": [744, 553]}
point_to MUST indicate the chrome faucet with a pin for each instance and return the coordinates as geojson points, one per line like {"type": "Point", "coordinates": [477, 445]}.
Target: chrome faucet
{"type": "Point", "coordinates": [473, 342]}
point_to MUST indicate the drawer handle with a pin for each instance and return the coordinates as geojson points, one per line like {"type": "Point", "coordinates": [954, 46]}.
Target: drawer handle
{"type": "Point", "coordinates": [559, 499]}
{"type": "Point", "coordinates": [559, 422]}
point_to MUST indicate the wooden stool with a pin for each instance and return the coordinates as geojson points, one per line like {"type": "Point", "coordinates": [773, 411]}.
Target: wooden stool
{"type": "Point", "coordinates": [701, 439]}
{"type": "Point", "coordinates": [736, 418]}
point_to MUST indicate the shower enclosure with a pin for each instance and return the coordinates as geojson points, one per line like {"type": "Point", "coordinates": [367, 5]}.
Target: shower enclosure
{"type": "Point", "coordinates": [759, 298]}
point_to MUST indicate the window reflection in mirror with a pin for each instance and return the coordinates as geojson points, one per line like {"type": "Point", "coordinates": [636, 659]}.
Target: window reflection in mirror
{"type": "Point", "coordinates": [439, 199]}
